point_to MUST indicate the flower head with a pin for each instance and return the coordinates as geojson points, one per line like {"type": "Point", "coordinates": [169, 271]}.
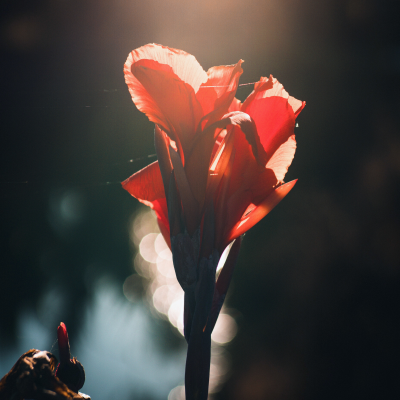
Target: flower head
{"type": "Point", "coordinates": [217, 148]}
{"type": "Point", "coordinates": [220, 170]}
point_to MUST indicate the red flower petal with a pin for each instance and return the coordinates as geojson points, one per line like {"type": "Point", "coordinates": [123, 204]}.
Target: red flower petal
{"type": "Point", "coordinates": [168, 101]}
{"type": "Point", "coordinates": [63, 343]}
{"type": "Point", "coordinates": [219, 164]}
{"type": "Point", "coordinates": [248, 126]}
{"type": "Point", "coordinates": [254, 188]}
{"type": "Point", "coordinates": [162, 83]}
{"type": "Point", "coordinates": [183, 64]}
{"type": "Point", "coordinates": [236, 105]}
{"type": "Point", "coordinates": [260, 211]}
{"type": "Point", "coordinates": [198, 161]}
{"type": "Point", "coordinates": [274, 113]}
{"type": "Point", "coordinates": [147, 186]}
{"type": "Point", "coordinates": [247, 175]}
{"type": "Point", "coordinates": [216, 95]}
{"type": "Point", "coordinates": [275, 121]}
{"type": "Point", "coordinates": [282, 158]}
{"type": "Point", "coordinates": [268, 87]}
{"type": "Point", "coordinates": [244, 181]}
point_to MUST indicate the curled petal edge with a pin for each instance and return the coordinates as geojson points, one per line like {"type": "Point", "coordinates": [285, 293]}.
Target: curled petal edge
{"type": "Point", "coordinates": [260, 211]}
{"type": "Point", "coordinates": [184, 65]}
{"type": "Point", "coordinates": [268, 87]}
{"type": "Point", "coordinates": [247, 125]}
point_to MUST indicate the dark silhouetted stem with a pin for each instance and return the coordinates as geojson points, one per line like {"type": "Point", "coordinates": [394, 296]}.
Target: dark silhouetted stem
{"type": "Point", "coordinates": [197, 372]}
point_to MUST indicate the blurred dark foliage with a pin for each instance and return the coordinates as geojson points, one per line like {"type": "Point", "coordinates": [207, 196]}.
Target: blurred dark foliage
{"type": "Point", "coordinates": [317, 285]}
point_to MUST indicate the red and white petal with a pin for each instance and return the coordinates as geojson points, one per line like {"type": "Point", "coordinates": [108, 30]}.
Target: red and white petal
{"type": "Point", "coordinates": [183, 64]}
{"type": "Point", "coordinates": [297, 105]}
{"type": "Point", "coordinates": [220, 88]}
{"type": "Point", "coordinates": [275, 121]}
{"type": "Point", "coordinates": [282, 158]}
{"type": "Point", "coordinates": [165, 99]}
{"type": "Point", "coordinates": [161, 87]}
{"type": "Point", "coordinates": [278, 90]}
{"type": "Point", "coordinates": [268, 87]}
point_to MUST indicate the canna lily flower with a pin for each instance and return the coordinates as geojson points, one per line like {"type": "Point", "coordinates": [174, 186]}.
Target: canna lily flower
{"type": "Point", "coordinates": [220, 170]}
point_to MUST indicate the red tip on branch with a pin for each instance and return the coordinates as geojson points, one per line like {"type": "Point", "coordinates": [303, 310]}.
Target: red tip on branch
{"type": "Point", "coordinates": [63, 343]}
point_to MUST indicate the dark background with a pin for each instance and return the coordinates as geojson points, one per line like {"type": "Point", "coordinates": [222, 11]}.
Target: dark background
{"type": "Point", "coordinates": [316, 288]}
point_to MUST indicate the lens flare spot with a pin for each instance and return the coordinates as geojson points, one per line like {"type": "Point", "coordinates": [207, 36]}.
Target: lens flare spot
{"type": "Point", "coordinates": [225, 329]}
{"type": "Point", "coordinates": [147, 248]}
{"type": "Point", "coordinates": [166, 268]}
{"type": "Point", "coordinates": [162, 248]}
{"type": "Point", "coordinates": [177, 393]}
{"type": "Point", "coordinates": [160, 298]}
{"type": "Point", "coordinates": [142, 224]}
{"type": "Point", "coordinates": [175, 312]}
